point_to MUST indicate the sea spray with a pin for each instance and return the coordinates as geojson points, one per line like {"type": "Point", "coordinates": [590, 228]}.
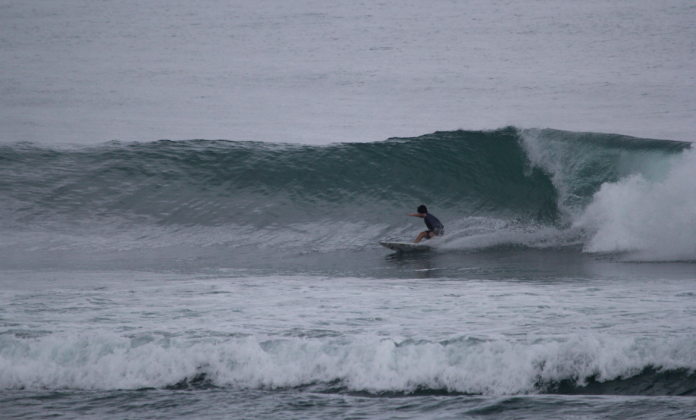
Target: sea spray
{"type": "Point", "coordinates": [653, 219]}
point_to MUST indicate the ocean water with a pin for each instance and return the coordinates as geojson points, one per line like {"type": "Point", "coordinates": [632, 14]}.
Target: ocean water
{"type": "Point", "coordinates": [192, 196]}
{"type": "Point", "coordinates": [225, 279]}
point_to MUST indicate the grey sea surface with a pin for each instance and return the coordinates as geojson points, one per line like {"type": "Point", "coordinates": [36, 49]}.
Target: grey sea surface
{"type": "Point", "coordinates": [309, 71]}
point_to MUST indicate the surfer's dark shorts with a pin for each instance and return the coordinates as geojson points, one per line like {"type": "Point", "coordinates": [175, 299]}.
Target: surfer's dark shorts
{"type": "Point", "coordinates": [437, 232]}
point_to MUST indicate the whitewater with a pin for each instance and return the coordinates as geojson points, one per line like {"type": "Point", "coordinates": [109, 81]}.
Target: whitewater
{"type": "Point", "coordinates": [192, 195]}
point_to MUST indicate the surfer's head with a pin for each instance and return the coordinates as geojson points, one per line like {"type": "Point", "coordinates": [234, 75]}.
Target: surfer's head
{"type": "Point", "coordinates": [422, 209]}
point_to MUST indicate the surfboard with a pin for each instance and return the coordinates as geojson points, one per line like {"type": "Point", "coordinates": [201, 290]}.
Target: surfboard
{"type": "Point", "coordinates": [405, 246]}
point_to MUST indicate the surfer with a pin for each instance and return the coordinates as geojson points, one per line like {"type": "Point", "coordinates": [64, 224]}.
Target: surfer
{"type": "Point", "coordinates": [435, 228]}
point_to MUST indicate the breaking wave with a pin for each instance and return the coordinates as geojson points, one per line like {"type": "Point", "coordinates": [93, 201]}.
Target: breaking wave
{"type": "Point", "coordinates": [508, 187]}
{"type": "Point", "coordinates": [575, 365]}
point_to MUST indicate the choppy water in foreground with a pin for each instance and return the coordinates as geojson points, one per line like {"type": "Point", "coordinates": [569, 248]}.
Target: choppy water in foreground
{"type": "Point", "coordinates": [521, 334]}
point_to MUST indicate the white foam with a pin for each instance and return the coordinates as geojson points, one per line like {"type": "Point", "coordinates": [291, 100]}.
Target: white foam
{"type": "Point", "coordinates": [371, 363]}
{"type": "Point", "coordinates": [654, 220]}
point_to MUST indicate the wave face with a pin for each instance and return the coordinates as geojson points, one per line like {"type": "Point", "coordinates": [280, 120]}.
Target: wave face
{"type": "Point", "coordinates": [214, 182]}
{"type": "Point", "coordinates": [491, 188]}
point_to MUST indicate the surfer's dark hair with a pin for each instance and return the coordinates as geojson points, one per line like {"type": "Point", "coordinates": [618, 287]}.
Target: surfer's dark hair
{"type": "Point", "coordinates": [422, 209]}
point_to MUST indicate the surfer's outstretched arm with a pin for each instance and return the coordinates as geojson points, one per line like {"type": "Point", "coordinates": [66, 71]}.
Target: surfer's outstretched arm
{"type": "Point", "coordinates": [415, 214]}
